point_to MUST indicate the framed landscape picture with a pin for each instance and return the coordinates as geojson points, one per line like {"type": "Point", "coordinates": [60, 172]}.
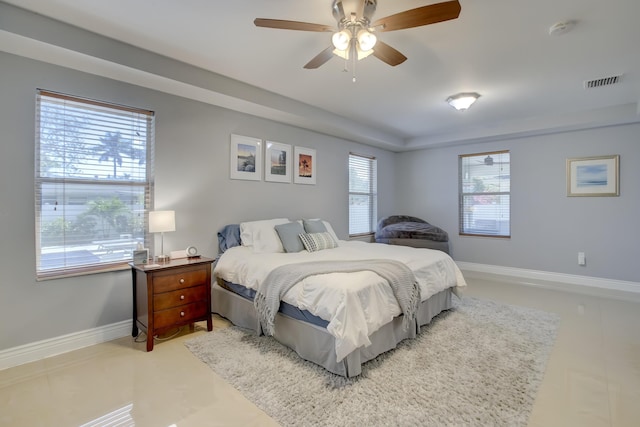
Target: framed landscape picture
{"type": "Point", "coordinates": [245, 158]}
{"type": "Point", "coordinates": [593, 176]}
{"type": "Point", "coordinates": [305, 165]}
{"type": "Point", "coordinates": [277, 162]}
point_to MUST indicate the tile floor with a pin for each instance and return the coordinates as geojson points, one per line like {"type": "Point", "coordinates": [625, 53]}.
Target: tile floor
{"type": "Point", "coordinates": [592, 378]}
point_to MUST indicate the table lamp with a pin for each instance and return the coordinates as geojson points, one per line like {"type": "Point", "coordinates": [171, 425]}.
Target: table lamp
{"type": "Point", "coordinates": [159, 222]}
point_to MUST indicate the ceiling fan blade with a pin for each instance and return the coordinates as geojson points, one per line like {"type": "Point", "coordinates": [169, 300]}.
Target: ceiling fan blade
{"type": "Point", "coordinates": [320, 59]}
{"type": "Point", "coordinates": [387, 54]}
{"type": "Point", "coordinates": [420, 16]}
{"type": "Point", "coordinates": [291, 25]}
{"type": "Point", "coordinates": [338, 11]}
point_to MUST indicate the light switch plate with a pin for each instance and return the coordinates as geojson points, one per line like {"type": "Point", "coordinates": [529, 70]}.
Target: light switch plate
{"type": "Point", "coordinates": [581, 259]}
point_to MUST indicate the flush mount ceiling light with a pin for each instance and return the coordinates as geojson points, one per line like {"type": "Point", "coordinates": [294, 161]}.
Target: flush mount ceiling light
{"type": "Point", "coordinates": [561, 27]}
{"type": "Point", "coordinates": [462, 101]}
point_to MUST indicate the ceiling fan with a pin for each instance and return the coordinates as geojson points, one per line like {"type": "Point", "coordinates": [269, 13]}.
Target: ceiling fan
{"type": "Point", "coordinates": [354, 36]}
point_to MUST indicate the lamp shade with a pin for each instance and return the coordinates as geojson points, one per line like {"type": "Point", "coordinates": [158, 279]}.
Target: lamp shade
{"type": "Point", "coordinates": [161, 221]}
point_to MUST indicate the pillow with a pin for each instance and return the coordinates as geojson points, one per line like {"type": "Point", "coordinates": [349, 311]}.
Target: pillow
{"type": "Point", "coordinates": [262, 236]}
{"type": "Point", "coordinates": [330, 231]}
{"type": "Point", "coordinates": [314, 242]}
{"type": "Point", "coordinates": [312, 224]}
{"type": "Point", "coordinates": [229, 237]}
{"type": "Point", "coordinates": [290, 236]}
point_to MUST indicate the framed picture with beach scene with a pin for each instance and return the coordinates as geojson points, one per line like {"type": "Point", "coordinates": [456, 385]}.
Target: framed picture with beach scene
{"type": "Point", "coordinates": [305, 165]}
{"type": "Point", "coordinates": [593, 176]}
{"type": "Point", "coordinates": [277, 162]}
{"type": "Point", "coordinates": [246, 158]}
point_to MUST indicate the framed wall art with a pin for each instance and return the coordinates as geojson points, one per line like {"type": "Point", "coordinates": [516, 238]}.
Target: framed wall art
{"type": "Point", "coordinates": [277, 162]}
{"type": "Point", "coordinates": [593, 176]}
{"type": "Point", "coordinates": [245, 158]}
{"type": "Point", "coordinates": [305, 165]}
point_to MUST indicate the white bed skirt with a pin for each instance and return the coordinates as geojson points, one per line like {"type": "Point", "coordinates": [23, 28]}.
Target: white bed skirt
{"type": "Point", "coordinates": [314, 343]}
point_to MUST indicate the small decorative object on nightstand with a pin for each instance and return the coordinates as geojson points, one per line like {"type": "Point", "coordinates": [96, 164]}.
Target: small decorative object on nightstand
{"type": "Point", "coordinates": [171, 295]}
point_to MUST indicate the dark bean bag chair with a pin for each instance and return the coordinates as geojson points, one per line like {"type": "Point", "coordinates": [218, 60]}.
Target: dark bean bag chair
{"type": "Point", "coordinates": [411, 231]}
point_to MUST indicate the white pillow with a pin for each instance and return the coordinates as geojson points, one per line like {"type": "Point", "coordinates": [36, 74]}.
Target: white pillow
{"type": "Point", "coordinates": [262, 235]}
{"type": "Point", "coordinates": [330, 231]}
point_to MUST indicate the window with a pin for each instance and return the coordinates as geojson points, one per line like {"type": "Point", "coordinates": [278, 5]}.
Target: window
{"type": "Point", "coordinates": [93, 183]}
{"type": "Point", "coordinates": [485, 199]}
{"type": "Point", "coordinates": [363, 197]}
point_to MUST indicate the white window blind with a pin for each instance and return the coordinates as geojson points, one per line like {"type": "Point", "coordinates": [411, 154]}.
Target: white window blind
{"type": "Point", "coordinates": [363, 194]}
{"type": "Point", "coordinates": [93, 183]}
{"type": "Point", "coordinates": [485, 194]}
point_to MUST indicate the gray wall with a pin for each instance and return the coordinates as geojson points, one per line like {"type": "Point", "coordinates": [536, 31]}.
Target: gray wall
{"type": "Point", "coordinates": [548, 229]}
{"type": "Point", "coordinates": [192, 177]}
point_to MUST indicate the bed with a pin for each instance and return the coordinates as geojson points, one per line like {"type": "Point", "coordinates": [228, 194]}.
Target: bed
{"type": "Point", "coordinates": [336, 319]}
{"type": "Point", "coordinates": [411, 231]}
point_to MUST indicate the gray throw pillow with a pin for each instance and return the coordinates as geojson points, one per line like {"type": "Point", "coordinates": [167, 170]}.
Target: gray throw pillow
{"type": "Point", "coordinates": [289, 236]}
{"type": "Point", "coordinates": [314, 226]}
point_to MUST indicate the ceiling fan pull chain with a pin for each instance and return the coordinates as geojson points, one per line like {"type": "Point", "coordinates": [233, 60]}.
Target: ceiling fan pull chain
{"type": "Point", "coordinates": [354, 56]}
{"type": "Point", "coordinates": [354, 70]}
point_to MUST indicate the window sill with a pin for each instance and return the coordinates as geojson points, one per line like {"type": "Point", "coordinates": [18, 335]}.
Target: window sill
{"type": "Point", "coordinates": [63, 274]}
{"type": "Point", "coordinates": [364, 237]}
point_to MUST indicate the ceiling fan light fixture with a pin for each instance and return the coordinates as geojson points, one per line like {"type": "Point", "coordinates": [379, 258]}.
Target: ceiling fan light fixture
{"type": "Point", "coordinates": [344, 54]}
{"type": "Point", "coordinates": [462, 101]}
{"type": "Point", "coordinates": [366, 40]}
{"type": "Point", "coordinates": [364, 53]}
{"type": "Point", "coordinates": [341, 40]}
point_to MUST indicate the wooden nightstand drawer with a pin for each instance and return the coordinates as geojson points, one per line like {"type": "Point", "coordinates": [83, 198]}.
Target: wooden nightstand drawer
{"type": "Point", "coordinates": [182, 279]}
{"type": "Point", "coordinates": [180, 297]}
{"type": "Point", "coordinates": [180, 315]}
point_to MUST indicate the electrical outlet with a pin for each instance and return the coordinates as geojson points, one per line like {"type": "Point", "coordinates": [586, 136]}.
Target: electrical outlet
{"type": "Point", "coordinates": [581, 259]}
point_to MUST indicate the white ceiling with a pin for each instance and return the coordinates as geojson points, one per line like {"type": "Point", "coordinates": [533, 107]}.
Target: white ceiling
{"type": "Point", "coordinates": [530, 81]}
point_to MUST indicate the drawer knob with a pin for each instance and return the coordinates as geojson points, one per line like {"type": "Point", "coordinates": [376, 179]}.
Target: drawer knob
{"type": "Point", "coordinates": [181, 297]}
{"type": "Point", "coordinates": [182, 314]}
{"type": "Point", "coordinates": [181, 281]}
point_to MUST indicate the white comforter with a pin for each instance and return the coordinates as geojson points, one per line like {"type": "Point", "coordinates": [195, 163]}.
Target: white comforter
{"type": "Point", "coordinates": [355, 304]}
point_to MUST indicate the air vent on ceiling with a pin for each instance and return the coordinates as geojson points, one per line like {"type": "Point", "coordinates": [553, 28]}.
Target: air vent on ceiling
{"type": "Point", "coordinates": [605, 81]}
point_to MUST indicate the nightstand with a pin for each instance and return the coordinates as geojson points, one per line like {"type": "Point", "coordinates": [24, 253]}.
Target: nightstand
{"type": "Point", "coordinates": [170, 295]}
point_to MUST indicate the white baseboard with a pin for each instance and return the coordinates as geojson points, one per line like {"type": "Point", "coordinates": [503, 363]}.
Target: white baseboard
{"type": "Point", "coordinates": [561, 281]}
{"type": "Point", "coordinates": [51, 347]}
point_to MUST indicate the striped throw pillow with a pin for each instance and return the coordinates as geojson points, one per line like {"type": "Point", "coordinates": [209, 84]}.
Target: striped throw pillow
{"type": "Point", "coordinates": [314, 242]}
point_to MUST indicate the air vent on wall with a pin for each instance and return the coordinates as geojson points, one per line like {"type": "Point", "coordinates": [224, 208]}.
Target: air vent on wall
{"type": "Point", "coordinates": [605, 81]}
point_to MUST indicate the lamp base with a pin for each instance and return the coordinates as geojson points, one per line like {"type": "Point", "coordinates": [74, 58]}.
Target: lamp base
{"type": "Point", "coordinates": [163, 258]}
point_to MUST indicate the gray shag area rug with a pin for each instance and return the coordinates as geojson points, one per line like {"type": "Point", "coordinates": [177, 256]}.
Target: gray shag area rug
{"type": "Point", "coordinates": [478, 364]}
